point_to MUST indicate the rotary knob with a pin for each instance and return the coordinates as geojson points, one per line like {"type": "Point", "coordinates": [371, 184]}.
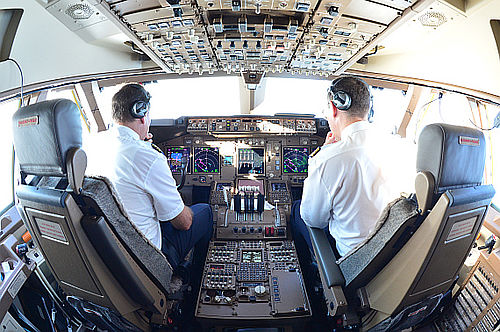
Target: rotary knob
{"type": "Point", "coordinates": [260, 290]}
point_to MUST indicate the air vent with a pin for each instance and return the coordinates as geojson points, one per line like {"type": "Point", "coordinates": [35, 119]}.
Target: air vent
{"type": "Point", "coordinates": [432, 19]}
{"type": "Point", "coordinates": [79, 11]}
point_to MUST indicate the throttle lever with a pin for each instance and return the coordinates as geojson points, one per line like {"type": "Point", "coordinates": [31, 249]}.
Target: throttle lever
{"type": "Point", "coordinates": [184, 167]}
{"type": "Point", "coordinates": [489, 244]}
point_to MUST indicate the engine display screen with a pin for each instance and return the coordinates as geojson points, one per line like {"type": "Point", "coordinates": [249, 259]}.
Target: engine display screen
{"type": "Point", "coordinates": [220, 186]}
{"type": "Point", "coordinates": [295, 159]}
{"type": "Point", "coordinates": [206, 160]}
{"type": "Point", "coordinates": [174, 156]}
{"type": "Point", "coordinates": [251, 185]}
{"type": "Point", "coordinates": [251, 256]}
{"type": "Point", "coordinates": [278, 186]}
{"type": "Point", "coordinates": [251, 161]}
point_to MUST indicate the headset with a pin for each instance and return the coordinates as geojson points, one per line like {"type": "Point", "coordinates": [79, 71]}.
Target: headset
{"type": "Point", "coordinates": [140, 107]}
{"type": "Point", "coordinates": [340, 99]}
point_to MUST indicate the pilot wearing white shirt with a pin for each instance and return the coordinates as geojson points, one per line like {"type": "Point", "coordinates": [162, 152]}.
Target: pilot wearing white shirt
{"type": "Point", "coordinates": [144, 182]}
{"type": "Point", "coordinates": [354, 175]}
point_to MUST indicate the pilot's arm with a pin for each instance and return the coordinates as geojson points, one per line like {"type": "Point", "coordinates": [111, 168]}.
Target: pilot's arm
{"type": "Point", "coordinates": [315, 208]}
{"type": "Point", "coordinates": [184, 220]}
{"type": "Point", "coordinates": [167, 201]}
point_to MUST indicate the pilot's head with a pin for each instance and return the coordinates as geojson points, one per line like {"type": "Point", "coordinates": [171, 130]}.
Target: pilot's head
{"type": "Point", "coordinates": [131, 108]}
{"type": "Point", "coordinates": [348, 100]}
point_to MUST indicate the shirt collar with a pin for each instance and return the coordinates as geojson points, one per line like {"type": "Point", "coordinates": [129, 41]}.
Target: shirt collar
{"type": "Point", "coordinates": [353, 128]}
{"type": "Point", "coordinates": [126, 132]}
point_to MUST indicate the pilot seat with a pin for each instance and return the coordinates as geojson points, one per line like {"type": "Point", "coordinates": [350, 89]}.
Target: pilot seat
{"type": "Point", "coordinates": [398, 276]}
{"type": "Point", "coordinates": [107, 270]}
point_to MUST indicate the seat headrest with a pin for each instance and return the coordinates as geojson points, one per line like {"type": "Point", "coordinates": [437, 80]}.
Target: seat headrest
{"type": "Point", "coordinates": [43, 134]}
{"type": "Point", "coordinates": [454, 155]}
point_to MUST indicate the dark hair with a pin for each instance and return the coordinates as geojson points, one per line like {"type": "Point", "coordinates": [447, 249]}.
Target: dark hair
{"type": "Point", "coordinates": [358, 91]}
{"type": "Point", "coordinates": [124, 99]}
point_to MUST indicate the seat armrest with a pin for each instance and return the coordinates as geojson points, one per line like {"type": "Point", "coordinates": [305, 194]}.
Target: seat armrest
{"type": "Point", "coordinates": [326, 258]}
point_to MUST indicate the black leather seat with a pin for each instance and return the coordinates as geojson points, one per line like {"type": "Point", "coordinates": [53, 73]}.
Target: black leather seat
{"type": "Point", "coordinates": [93, 250]}
{"type": "Point", "coordinates": [419, 245]}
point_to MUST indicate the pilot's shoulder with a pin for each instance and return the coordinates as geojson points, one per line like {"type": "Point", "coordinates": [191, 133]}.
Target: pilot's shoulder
{"type": "Point", "coordinates": [332, 153]}
{"type": "Point", "coordinates": [148, 156]}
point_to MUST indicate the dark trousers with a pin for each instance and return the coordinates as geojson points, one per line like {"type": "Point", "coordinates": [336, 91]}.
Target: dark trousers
{"type": "Point", "coordinates": [302, 240]}
{"type": "Point", "coordinates": [176, 244]}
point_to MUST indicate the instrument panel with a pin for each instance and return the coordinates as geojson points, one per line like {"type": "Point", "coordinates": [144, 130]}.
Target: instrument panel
{"type": "Point", "coordinates": [246, 161]}
{"type": "Point", "coordinates": [252, 125]}
{"type": "Point", "coordinates": [221, 149]}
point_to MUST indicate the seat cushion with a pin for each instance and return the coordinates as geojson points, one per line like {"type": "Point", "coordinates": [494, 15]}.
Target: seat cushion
{"type": "Point", "coordinates": [394, 227]}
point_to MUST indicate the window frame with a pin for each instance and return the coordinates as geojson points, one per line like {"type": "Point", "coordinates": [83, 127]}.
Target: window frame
{"type": "Point", "coordinates": [12, 176]}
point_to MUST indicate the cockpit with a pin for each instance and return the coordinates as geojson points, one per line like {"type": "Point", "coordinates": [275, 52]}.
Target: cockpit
{"type": "Point", "coordinates": [238, 109]}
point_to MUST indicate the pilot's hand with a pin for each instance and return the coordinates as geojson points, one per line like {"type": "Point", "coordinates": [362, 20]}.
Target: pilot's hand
{"type": "Point", "coordinates": [330, 138]}
{"type": "Point", "coordinates": [149, 138]}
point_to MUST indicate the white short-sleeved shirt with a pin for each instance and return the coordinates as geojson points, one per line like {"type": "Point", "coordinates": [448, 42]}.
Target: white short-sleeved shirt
{"type": "Point", "coordinates": [351, 181]}
{"type": "Point", "coordinates": [140, 175]}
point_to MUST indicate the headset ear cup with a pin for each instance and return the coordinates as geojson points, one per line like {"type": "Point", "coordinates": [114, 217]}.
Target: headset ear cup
{"type": "Point", "coordinates": [342, 100]}
{"type": "Point", "coordinates": [139, 109]}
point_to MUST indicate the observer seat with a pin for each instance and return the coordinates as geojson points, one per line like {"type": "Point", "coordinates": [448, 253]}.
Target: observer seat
{"type": "Point", "coordinates": [398, 275]}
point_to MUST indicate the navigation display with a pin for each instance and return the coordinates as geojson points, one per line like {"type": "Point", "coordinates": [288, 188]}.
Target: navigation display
{"type": "Point", "coordinates": [206, 160]}
{"type": "Point", "coordinates": [174, 156]}
{"type": "Point", "coordinates": [295, 159]}
{"type": "Point", "coordinates": [251, 161]}
{"type": "Point", "coordinates": [251, 256]}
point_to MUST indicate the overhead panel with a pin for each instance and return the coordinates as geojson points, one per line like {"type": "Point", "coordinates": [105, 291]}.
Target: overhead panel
{"type": "Point", "coordinates": [333, 40]}
{"type": "Point", "coordinates": [307, 36]}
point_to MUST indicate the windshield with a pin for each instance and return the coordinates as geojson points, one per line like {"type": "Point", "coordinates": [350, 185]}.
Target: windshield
{"type": "Point", "coordinates": [178, 97]}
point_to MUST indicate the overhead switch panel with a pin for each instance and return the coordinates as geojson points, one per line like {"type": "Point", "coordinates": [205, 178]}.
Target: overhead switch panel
{"type": "Point", "coordinates": [303, 36]}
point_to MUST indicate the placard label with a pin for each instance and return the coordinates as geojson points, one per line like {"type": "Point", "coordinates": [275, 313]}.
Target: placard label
{"type": "Point", "coordinates": [51, 230]}
{"type": "Point", "coordinates": [31, 121]}
{"type": "Point", "coordinates": [461, 229]}
{"type": "Point", "coordinates": [472, 141]}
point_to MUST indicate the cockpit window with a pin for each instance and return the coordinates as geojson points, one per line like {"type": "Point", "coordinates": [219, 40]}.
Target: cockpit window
{"type": "Point", "coordinates": [291, 95]}
{"type": "Point", "coordinates": [71, 94]}
{"type": "Point", "coordinates": [388, 108]}
{"type": "Point", "coordinates": [492, 172]}
{"type": "Point", "coordinates": [458, 109]}
{"type": "Point", "coordinates": [7, 109]}
{"type": "Point", "coordinates": [439, 107]}
{"type": "Point", "coordinates": [177, 97]}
